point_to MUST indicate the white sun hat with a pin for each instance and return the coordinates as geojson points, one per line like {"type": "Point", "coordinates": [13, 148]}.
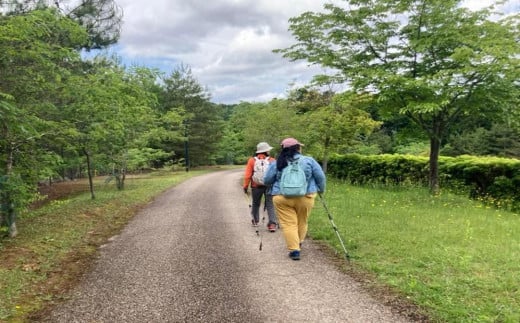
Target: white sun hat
{"type": "Point", "coordinates": [263, 147]}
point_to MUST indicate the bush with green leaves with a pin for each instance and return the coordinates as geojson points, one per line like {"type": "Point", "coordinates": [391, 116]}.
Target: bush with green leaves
{"type": "Point", "coordinates": [492, 179]}
{"type": "Point", "coordinates": [15, 195]}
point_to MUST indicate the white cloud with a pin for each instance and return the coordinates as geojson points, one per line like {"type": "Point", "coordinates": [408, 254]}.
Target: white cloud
{"type": "Point", "coordinates": [227, 43]}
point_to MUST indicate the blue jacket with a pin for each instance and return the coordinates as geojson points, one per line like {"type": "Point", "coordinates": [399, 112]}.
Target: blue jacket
{"type": "Point", "coordinates": [315, 176]}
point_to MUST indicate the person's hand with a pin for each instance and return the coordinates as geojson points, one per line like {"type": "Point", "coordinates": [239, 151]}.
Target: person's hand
{"type": "Point", "coordinates": [245, 190]}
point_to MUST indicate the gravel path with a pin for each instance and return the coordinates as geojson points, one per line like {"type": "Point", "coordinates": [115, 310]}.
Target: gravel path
{"type": "Point", "coordinates": [192, 256]}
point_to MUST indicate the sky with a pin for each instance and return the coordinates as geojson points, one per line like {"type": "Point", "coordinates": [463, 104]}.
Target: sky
{"type": "Point", "coordinates": [227, 44]}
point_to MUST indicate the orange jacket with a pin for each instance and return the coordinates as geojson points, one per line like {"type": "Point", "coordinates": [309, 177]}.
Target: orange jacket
{"type": "Point", "coordinates": [248, 174]}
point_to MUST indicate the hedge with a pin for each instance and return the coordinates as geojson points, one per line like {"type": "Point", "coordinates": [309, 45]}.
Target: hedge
{"type": "Point", "coordinates": [493, 179]}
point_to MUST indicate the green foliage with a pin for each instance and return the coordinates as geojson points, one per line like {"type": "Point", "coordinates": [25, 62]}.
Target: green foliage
{"type": "Point", "coordinates": [338, 125]}
{"type": "Point", "coordinates": [252, 123]}
{"type": "Point", "coordinates": [388, 169]}
{"type": "Point", "coordinates": [37, 51]}
{"type": "Point", "coordinates": [144, 159]}
{"type": "Point", "coordinates": [325, 122]}
{"type": "Point", "coordinates": [487, 178]}
{"type": "Point", "coordinates": [500, 140]}
{"type": "Point", "coordinates": [278, 120]}
{"type": "Point", "coordinates": [449, 62]}
{"type": "Point", "coordinates": [15, 195]}
{"type": "Point", "coordinates": [413, 148]}
{"type": "Point", "coordinates": [101, 19]}
{"type": "Point", "coordinates": [202, 121]}
{"type": "Point", "coordinates": [231, 148]}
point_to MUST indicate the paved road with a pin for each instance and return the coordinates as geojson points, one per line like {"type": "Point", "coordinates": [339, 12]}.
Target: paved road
{"type": "Point", "coordinates": [192, 256]}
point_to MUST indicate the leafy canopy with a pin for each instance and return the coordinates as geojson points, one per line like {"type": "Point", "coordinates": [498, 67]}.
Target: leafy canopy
{"type": "Point", "coordinates": [433, 61]}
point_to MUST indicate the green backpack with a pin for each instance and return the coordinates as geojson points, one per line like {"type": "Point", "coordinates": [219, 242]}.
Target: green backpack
{"type": "Point", "coordinates": [293, 181]}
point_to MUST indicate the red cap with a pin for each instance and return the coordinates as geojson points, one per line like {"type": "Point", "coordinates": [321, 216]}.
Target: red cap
{"type": "Point", "coordinates": [289, 142]}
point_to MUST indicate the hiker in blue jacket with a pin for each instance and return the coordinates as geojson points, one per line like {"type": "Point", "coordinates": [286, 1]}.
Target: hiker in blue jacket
{"type": "Point", "coordinates": [294, 211]}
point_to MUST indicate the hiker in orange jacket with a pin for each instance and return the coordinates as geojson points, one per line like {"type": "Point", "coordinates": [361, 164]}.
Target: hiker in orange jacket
{"type": "Point", "coordinates": [253, 176]}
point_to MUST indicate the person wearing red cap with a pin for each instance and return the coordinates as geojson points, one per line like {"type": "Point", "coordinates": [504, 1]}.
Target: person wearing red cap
{"type": "Point", "coordinates": [253, 176]}
{"type": "Point", "coordinates": [294, 211]}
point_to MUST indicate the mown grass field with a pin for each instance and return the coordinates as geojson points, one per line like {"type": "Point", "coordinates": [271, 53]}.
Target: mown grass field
{"type": "Point", "coordinates": [455, 258]}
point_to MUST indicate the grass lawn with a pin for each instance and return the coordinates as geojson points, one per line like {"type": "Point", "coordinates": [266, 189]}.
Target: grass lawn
{"type": "Point", "coordinates": [458, 259]}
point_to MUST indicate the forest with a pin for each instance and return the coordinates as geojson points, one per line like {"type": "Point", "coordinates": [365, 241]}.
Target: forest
{"type": "Point", "coordinates": [442, 82]}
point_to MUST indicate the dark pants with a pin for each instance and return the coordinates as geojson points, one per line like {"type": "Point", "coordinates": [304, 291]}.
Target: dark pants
{"type": "Point", "coordinates": [257, 194]}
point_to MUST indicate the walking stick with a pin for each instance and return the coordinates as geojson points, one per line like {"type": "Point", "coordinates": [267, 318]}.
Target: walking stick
{"type": "Point", "coordinates": [347, 257]}
{"type": "Point", "coordinates": [249, 199]}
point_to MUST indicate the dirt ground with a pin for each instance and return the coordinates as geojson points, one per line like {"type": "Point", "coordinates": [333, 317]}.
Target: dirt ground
{"type": "Point", "coordinates": [56, 191]}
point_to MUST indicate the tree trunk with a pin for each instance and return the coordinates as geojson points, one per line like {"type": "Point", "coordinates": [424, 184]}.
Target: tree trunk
{"type": "Point", "coordinates": [123, 172]}
{"type": "Point", "coordinates": [11, 214]}
{"type": "Point", "coordinates": [89, 173]}
{"type": "Point", "coordinates": [119, 175]}
{"type": "Point", "coordinates": [9, 203]}
{"type": "Point", "coordinates": [324, 163]}
{"type": "Point", "coordinates": [435, 146]}
{"type": "Point", "coordinates": [123, 177]}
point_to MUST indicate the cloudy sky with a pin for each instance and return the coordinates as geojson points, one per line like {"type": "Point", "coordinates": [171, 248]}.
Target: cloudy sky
{"type": "Point", "coordinates": [227, 43]}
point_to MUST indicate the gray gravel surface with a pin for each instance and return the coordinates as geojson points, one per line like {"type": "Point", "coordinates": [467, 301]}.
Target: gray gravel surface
{"type": "Point", "coordinates": [192, 256]}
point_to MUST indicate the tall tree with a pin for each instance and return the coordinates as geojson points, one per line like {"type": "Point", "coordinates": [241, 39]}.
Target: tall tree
{"type": "Point", "coordinates": [102, 19]}
{"type": "Point", "coordinates": [108, 111]}
{"type": "Point", "coordinates": [430, 60]}
{"type": "Point", "coordinates": [16, 133]}
{"type": "Point", "coordinates": [36, 50]}
{"type": "Point", "coordinates": [202, 120]}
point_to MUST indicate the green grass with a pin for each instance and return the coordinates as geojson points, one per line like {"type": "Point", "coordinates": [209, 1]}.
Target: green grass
{"type": "Point", "coordinates": [457, 259]}
{"type": "Point", "coordinates": [56, 241]}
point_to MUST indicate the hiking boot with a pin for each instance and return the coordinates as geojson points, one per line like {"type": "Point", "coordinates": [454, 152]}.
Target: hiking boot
{"type": "Point", "coordinates": [271, 227]}
{"type": "Point", "coordinates": [294, 255]}
{"type": "Point", "coordinates": [254, 223]}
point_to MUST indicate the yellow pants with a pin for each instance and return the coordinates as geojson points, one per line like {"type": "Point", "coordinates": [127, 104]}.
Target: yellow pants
{"type": "Point", "coordinates": [292, 214]}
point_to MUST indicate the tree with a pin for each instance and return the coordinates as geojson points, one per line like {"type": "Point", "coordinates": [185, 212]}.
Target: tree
{"type": "Point", "coordinates": [130, 116]}
{"type": "Point", "coordinates": [108, 110]}
{"type": "Point", "coordinates": [101, 19]}
{"type": "Point", "coordinates": [36, 51]}
{"type": "Point", "coordinates": [15, 132]}
{"type": "Point", "coordinates": [270, 122]}
{"type": "Point", "coordinates": [430, 60]}
{"type": "Point", "coordinates": [202, 120]}
{"type": "Point", "coordinates": [500, 140]}
{"type": "Point", "coordinates": [340, 124]}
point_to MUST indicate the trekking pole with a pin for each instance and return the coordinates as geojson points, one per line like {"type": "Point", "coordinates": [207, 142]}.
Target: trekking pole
{"type": "Point", "coordinates": [260, 246]}
{"type": "Point", "coordinates": [258, 231]}
{"type": "Point", "coordinates": [249, 199]}
{"type": "Point", "coordinates": [265, 209]}
{"type": "Point", "coordinates": [347, 257]}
